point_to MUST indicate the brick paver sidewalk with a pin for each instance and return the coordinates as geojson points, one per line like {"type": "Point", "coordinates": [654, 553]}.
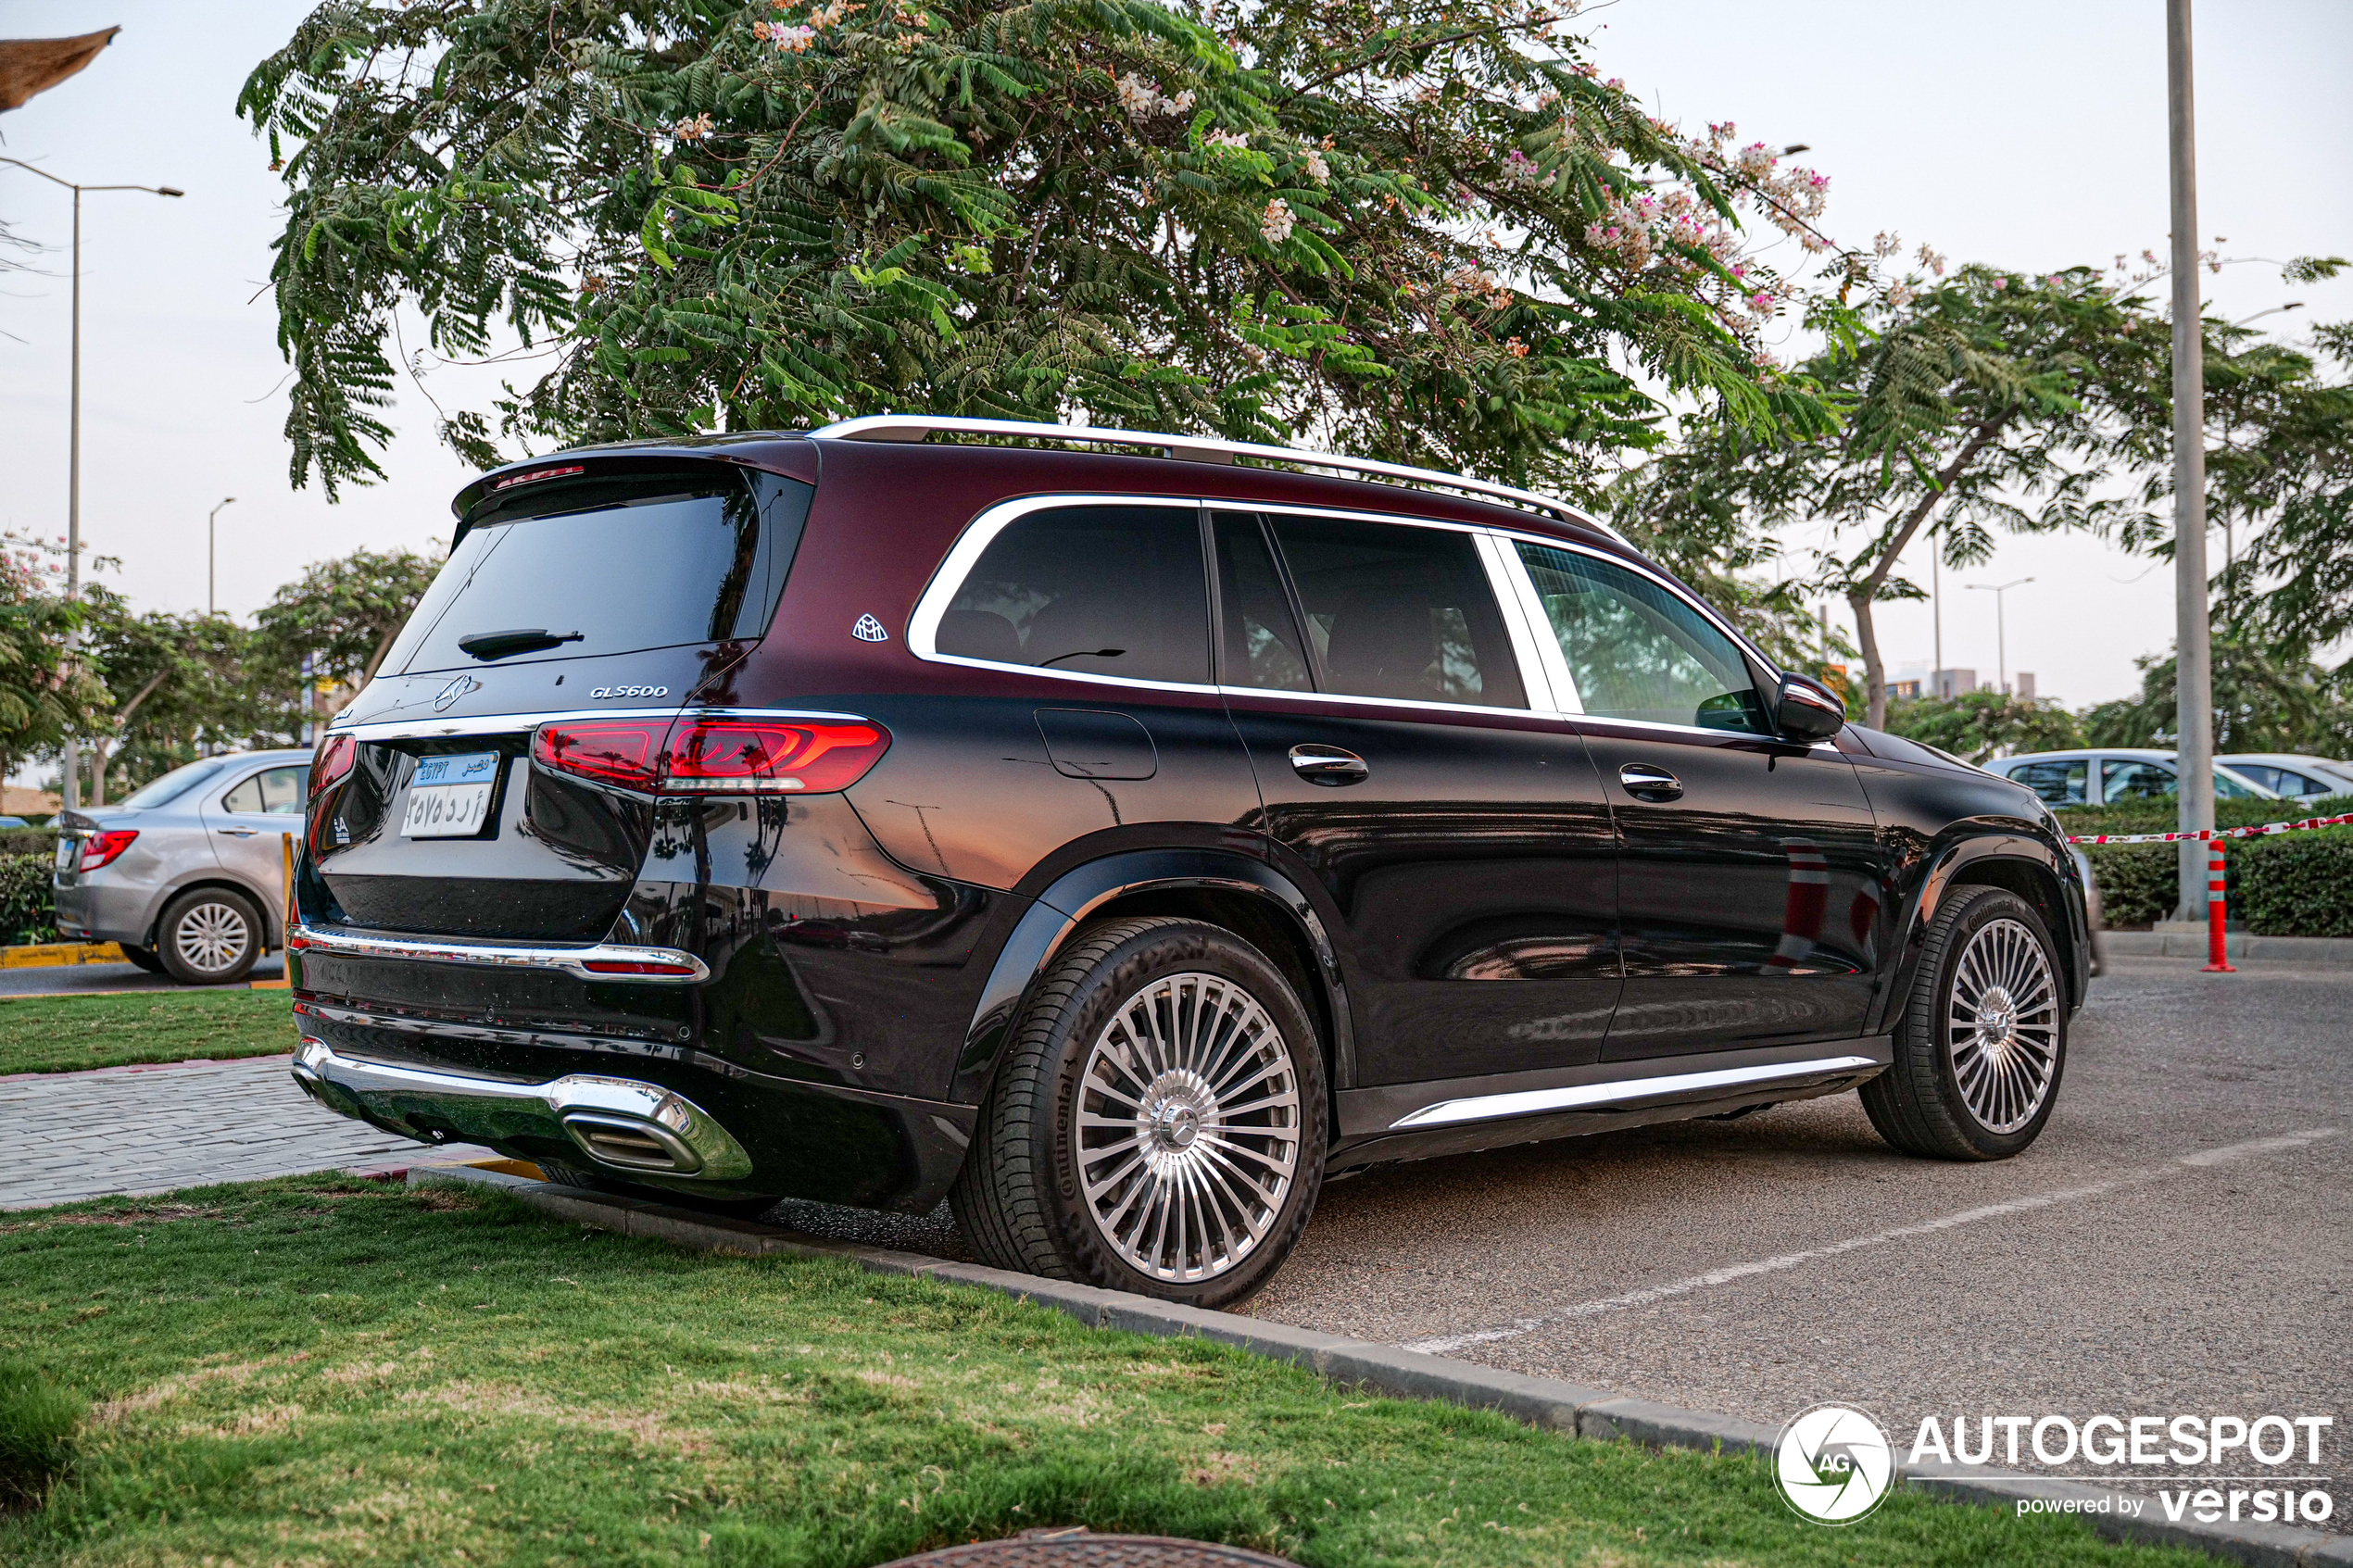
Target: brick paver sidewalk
{"type": "Point", "coordinates": [150, 1129]}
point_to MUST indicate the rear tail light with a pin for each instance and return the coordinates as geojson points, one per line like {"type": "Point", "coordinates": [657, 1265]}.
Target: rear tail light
{"type": "Point", "coordinates": [103, 848]}
{"type": "Point", "coordinates": [334, 760]}
{"type": "Point", "coordinates": [715, 756]}
{"type": "Point", "coordinates": [728, 755]}
{"type": "Point", "coordinates": [615, 751]}
{"type": "Point", "coordinates": [637, 966]}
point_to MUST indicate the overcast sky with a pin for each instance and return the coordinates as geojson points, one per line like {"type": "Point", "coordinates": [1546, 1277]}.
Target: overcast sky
{"type": "Point", "coordinates": [2028, 135]}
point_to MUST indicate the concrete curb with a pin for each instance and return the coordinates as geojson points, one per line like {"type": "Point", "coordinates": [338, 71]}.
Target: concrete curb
{"type": "Point", "coordinates": [1547, 1402]}
{"type": "Point", "coordinates": [2335, 950]}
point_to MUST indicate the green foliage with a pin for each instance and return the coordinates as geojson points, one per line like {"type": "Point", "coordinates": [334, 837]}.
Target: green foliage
{"type": "Point", "coordinates": [1975, 726]}
{"type": "Point", "coordinates": [2264, 701]}
{"type": "Point", "coordinates": [2139, 884]}
{"type": "Point", "coordinates": [37, 1423]}
{"type": "Point", "coordinates": [28, 912]}
{"type": "Point", "coordinates": [1412, 229]}
{"type": "Point", "coordinates": [44, 694]}
{"type": "Point", "coordinates": [2297, 885]}
{"type": "Point", "coordinates": [181, 685]}
{"type": "Point", "coordinates": [342, 615]}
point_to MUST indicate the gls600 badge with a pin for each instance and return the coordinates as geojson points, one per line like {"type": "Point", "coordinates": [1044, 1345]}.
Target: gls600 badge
{"type": "Point", "coordinates": [603, 692]}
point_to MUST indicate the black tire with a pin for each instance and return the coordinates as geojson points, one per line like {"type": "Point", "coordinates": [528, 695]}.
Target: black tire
{"type": "Point", "coordinates": [1983, 1091]}
{"type": "Point", "coordinates": [1022, 1198]}
{"type": "Point", "coordinates": [143, 957]}
{"type": "Point", "coordinates": [564, 1173]}
{"type": "Point", "coordinates": [209, 937]}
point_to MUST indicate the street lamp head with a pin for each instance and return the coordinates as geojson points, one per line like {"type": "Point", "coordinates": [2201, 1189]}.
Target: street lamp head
{"type": "Point", "coordinates": [170, 190]}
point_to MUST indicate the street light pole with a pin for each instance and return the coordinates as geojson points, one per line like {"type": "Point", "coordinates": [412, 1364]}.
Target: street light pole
{"type": "Point", "coordinates": [209, 607]}
{"type": "Point", "coordinates": [72, 780]}
{"type": "Point", "coordinates": [2001, 628]}
{"type": "Point", "coordinates": [2193, 635]}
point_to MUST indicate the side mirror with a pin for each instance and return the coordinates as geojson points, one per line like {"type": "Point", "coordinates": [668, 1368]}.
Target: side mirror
{"type": "Point", "coordinates": [1807, 711]}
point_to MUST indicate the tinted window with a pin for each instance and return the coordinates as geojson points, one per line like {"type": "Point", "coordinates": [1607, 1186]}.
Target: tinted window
{"type": "Point", "coordinates": [2295, 783]}
{"type": "Point", "coordinates": [1263, 644]}
{"type": "Point", "coordinates": [1398, 612]}
{"type": "Point", "coordinates": [646, 564]}
{"type": "Point", "coordinates": [173, 785]}
{"type": "Point", "coordinates": [277, 791]}
{"type": "Point", "coordinates": [1637, 651]}
{"type": "Point", "coordinates": [2270, 778]}
{"type": "Point", "coordinates": [2120, 780]}
{"type": "Point", "coordinates": [2060, 783]}
{"type": "Point", "coordinates": [1099, 590]}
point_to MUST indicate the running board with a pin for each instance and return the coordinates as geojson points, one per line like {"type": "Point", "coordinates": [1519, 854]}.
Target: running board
{"type": "Point", "coordinates": [1629, 1093]}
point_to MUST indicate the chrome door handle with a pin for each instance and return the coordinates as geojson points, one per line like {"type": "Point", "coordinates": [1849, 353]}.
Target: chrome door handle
{"type": "Point", "coordinates": [236, 832]}
{"type": "Point", "coordinates": [1328, 765]}
{"type": "Point", "coordinates": [1646, 783]}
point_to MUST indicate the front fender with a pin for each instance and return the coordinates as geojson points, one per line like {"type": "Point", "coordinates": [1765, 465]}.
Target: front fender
{"type": "Point", "coordinates": [1968, 861]}
{"type": "Point", "coordinates": [1075, 898]}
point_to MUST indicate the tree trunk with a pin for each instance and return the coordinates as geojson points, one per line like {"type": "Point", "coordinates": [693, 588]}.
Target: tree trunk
{"type": "Point", "coordinates": [1874, 677]}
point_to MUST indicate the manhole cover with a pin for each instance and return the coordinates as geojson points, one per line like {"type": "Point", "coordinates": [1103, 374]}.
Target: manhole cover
{"type": "Point", "coordinates": [1083, 1548]}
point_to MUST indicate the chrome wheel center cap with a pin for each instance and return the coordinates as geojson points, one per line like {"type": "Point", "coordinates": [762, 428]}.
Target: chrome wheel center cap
{"type": "Point", "coordinates": [1998, 1017]}
{"type": "Point", "coordinates": [1175, 1125]}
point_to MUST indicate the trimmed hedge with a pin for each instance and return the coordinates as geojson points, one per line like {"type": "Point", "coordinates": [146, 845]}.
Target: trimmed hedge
{"type": "Point", "coordinates": [28, 910]}
{"type": "Point", "coordinates": [2288, 884]}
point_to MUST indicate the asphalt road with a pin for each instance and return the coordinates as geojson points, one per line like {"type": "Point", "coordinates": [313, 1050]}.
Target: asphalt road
{"type": "Point", "coordinates": [2180, 1241]}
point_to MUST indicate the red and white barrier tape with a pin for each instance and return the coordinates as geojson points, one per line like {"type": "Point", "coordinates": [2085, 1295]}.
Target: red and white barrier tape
{"type": "Point", "coordinates": [2207, 833]}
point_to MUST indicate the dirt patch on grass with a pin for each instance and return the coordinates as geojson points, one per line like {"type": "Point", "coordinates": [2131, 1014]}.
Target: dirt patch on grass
{"type": "Point", "coordinates": [160, 1215]}
{"type": "Point", "coordinates": [647, 1428]}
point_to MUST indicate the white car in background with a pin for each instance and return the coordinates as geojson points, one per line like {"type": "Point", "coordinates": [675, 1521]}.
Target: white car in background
{"type": "Point", "coordinates": [2290, 777]}
{"type": "Point", "coordinates": [2109, 775]}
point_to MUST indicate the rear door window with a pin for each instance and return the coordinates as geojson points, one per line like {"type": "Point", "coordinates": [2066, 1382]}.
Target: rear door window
{"type": "Point", "coordinates": [274, 792]}
{"type": "Point", "coordinates": [1392, 611]}
{"type": "Point", "coordinates": [2124, 779]}
{"type": "Point", "coordinates": [2058, 782]}
{"type": "Point", "coordinates": [1114, 591]}
{"type": "Point", "coordinates": [611, 567]}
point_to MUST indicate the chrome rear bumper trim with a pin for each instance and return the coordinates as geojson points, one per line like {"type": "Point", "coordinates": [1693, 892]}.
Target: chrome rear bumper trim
{"type": "Point", "coordinates": [572, 960]}
{"type": "Point", "coordinates": [417, 1102]}
{"type": "Point", "coordinates": [1631, 1092]}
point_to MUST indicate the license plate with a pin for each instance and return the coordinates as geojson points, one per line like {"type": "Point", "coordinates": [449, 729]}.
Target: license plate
{"type": "Point", "coordinates": [449, 797]}
{"type": "Point", "coordinates": [69, 851]}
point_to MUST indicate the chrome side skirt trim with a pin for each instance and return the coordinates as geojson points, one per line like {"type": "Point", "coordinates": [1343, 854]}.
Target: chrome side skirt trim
{"type": "Point", "coordinates": [1633, 1091]}
{"type": "Point", "coordinates": [661, 1131]}
{"type": "Point", "coordinates": [570, 961]}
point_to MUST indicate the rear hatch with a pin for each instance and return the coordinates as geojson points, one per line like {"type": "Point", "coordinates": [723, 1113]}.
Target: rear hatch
{"type": "Point", "coordinates": [582, 588]}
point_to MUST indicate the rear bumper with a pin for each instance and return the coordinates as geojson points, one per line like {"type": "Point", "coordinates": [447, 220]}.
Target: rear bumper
{"type": "Point", "coordinates": [94, 911]}
{"type": "Point", "coordinates": [622, 1123]}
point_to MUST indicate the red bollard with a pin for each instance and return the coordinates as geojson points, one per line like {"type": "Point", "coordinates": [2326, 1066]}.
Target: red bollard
{"type": "Point", "coordinates": [2217, 912]}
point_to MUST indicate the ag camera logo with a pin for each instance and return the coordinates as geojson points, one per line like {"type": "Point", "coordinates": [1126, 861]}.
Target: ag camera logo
{"type": "Point", "coordinates": [1833, 1464]}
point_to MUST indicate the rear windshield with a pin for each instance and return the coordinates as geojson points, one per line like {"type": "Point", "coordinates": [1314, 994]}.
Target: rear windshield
{"type": "Point", "coordinates": [174, 785]}
{"type": "Point", "coordinates": [608, 568]}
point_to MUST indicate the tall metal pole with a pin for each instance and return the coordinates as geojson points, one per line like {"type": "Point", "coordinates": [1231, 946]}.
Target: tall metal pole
{"type": "Point", "coordinates": [2193, 645]}
{"type": "Point", "coordinates": [1936, 602]}
{"type": "Point", "coordinates": [211, 605]}
{"type": "Point", "coordinates": [72, 785]}
{"type": "Point", "coordinates": [2001, 628]}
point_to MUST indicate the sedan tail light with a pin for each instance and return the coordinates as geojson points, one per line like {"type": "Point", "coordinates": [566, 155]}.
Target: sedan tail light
{"type": "Point", "coordinates": [715, 756]}
{"type": "Point", "coordinates": [103, 848]}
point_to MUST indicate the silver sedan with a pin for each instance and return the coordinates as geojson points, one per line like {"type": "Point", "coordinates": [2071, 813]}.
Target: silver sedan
{"type": "Point", "coordinates": [188, 873]}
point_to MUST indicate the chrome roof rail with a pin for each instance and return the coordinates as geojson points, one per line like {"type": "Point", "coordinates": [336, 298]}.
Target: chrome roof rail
{"type": "Point", "coordinates": [1200, 449]}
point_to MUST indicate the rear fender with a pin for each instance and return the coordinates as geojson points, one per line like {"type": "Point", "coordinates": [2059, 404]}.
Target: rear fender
{"type": "Point", "coordinates": [1140, 879]}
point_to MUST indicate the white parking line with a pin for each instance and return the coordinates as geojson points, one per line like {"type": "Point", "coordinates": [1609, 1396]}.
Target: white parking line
{"type": "Point", "coordinates": [1731, 1271]}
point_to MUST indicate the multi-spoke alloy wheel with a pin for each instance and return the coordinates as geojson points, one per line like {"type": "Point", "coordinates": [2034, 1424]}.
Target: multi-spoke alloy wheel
{"type": "Point", "coordinates": [1157, 1124]}
{"type": "Point", "coordinates": [1981, 1043]}
{"type": "Point", "coordinates": [2002, 1026]}
{"type": "Point", "coordinates": [1189, 1127]}
{"type": "Point", "coordinates": [208, 937]}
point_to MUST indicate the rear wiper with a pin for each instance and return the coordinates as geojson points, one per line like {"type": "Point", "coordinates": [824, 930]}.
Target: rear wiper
{"type": "Point", "coordinates": [498, 644]}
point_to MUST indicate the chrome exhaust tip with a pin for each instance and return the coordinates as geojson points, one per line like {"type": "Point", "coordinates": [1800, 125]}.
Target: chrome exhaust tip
{"type": "Point", "coordinates": [631, 1145]}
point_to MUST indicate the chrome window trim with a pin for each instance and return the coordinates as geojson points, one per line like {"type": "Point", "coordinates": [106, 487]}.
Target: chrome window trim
{"type": "Point", "coordinates": [1536, 676]}
{"type": "Point", "coordinates": [1581, 1096]}
{"type": "Point", "coordinates": [508, 723]}
{"type": "Point", "coordinates": [1557, 662]}
{"type": "Point", "coordinates": [947, 578]}
{"type": "Point", "coordinates": [570, 961]}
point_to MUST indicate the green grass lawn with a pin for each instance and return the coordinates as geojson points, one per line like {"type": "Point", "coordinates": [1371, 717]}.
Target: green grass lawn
{"type": "Point", "coordinates": [67, 1033]}
{"type": "Point", "coordinates": [329, 1371]}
